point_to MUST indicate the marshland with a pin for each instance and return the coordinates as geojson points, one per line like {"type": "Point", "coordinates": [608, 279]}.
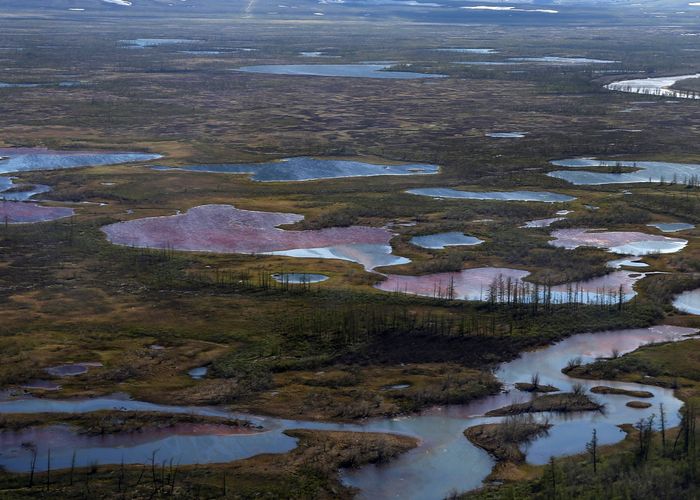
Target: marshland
{"type": "Point", "coordinates": [232, 269]}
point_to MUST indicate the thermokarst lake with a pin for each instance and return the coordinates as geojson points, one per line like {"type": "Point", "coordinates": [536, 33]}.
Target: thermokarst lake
{"type": "Point", "coordinates": [14, 208]}
{"type": "Point", "coordinates": [493, 284]}
{"type": "Point", "coordinates": [226, 229]}
{"type": "Point", "coordinates": [619, 242]}
{"type": "Point", "coordinates": [441, 240]}
{"type": "Point", "coordinates": [338, 70]}
{"type": "Point", "coordinates": [143, 43]}
{"type": "Point", "coordinates": [306, 169]}
{"type": "Point", "coordinates": [657, 86]}
{"type": "Point", "coordinates": [625, 172]}
{"type": "Point", "coordinates": [16, 212]}
{"type": "Point", "coordinates": [449, 193]}
{"type": "Point", "coordinates": [24, 159]}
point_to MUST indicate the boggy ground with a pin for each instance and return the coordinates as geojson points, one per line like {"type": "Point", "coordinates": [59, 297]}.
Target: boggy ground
{"type": "Point", "coordinates": [62, 278]}
{"type": "Point", "coordinates": [102, 423]}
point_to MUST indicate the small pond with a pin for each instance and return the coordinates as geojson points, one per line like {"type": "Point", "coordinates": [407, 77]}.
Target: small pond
{"type": "Point", "coordinates": [542, 222]}
{"type": "Point", "coordinates": [439, 241]}
{"type": "Point", "coordinates": [672, 227]}
{"type": "Point", "coordinates": [506, 135]}
{"type": "Point", "coordinates": [142, 43]}
{"type": "Point", "coordinates": [468, 51]}
{"type": "Point", "coordinates": [299, 278]}
{"type": "Point", "coordinates": [627, 262]}
{"type": "Point", "coordinates": [17, 212]}
{"type": "Point", "coordinates": [198, 373]}
{"type": "Point", "coordinates": [688, 302]}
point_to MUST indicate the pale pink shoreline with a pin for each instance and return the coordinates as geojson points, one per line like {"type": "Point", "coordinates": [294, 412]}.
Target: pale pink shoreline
{"type": "Point", "coordinates": [16, 212]}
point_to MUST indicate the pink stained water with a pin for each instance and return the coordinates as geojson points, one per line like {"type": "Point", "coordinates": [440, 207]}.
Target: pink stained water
{"type": "Point", "coordinates": [475, 284]}
{"type": "Point", "coordinates": [65, 436]}
{"type": "Point", "coordinates": [226, 229]}
{"type": "Point", "coordinates": [71, 370]}
{"type": "Point", "coordinates": [469, 284]}
{"type": "Point", "coordinates": [16, 212]}
{"type": "Point", "coordinates": [573, 238]}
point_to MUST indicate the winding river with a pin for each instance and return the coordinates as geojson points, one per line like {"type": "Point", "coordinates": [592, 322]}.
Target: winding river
{"type": "Point", "coordinates": [444, 461]}
{"type": "Point", "coordinates": [658, 86]}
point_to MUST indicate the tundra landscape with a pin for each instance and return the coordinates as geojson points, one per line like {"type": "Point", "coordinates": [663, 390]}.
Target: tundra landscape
{"type": "Point", "coordinates": [349, 249]}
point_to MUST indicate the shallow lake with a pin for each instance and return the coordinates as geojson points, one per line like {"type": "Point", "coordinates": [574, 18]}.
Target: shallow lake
{"type": "Point", "coordinates": [201, 52]}
{"type": "Point", "coordinates": [627, 262]}
{"type": "Point", "coordinates": [620, 242]}
{"type": "Point", "coordinates": [468, 51]}
{"type": "Point", "coordinates": [439, 241]}
{"type": "Point", "coordinates": [443, 462]}
{"type": "Point", "coordinates": [306, 169]}
{"type": "Point", "coordinates": [299, 278]}
{"type": "Point", "coordinates": [499, 284]}
{"type": "Point", "coordinates": [672, 227]}
{"type": "Point", "coordinates": [562, 61]}
{"type": "Point", "coordinates": [506, 135]}
{"type": "Point", "coordinates": [316, 54]}
{"type": "Point", "coordinates": [542, 222]}
{"type": "Point", "coordinates": [18, 212]}
{"type": "Point", "coordinates": [24, 159]}
{"type": "Point", "coordinates": [659, 86]}
{"type": "Point", "coordinates": [71, 370]}
{"type": "Point", "coordinates": [645, 171]}
{"type": "Point", "coordinates": [6, 85]}
{"type": "Point", "coordinates": [226, 229]}
{"type": "Point", "coordinates": [339, 70]}
{"type": "Point", "coordinates": [142, 43]}
{"type": "Point", "coordinates": [544, 196]}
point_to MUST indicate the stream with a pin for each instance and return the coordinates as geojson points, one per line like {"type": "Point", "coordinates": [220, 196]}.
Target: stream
{"type": "Point", "coordinates": [444, 462]}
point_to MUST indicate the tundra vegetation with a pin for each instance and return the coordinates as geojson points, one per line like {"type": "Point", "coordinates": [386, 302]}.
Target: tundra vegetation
{"type": "Point", "coordinates": [330, 350]}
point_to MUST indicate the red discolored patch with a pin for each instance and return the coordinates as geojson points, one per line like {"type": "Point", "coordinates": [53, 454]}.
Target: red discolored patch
{"type": "Point", "coordinates": [15, 212]}
{"type": "Point", "coordinates": [226, 229]}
